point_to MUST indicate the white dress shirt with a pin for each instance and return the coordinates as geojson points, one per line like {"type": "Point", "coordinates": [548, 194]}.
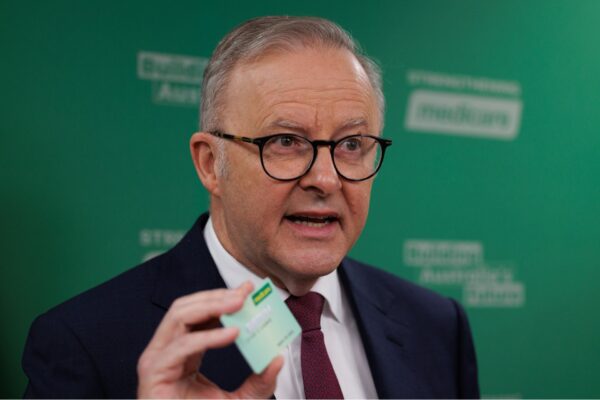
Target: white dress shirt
{"type": "Point", "coordinates": [342, 338]}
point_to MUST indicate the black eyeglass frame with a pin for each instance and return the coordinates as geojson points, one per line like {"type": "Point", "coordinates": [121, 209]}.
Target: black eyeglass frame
{"type": "Point", "coordinates": [260, 142]}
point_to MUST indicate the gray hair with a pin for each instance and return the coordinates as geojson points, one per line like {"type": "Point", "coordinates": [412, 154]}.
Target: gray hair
{"type": "Point", "coordinates": [255, 38]}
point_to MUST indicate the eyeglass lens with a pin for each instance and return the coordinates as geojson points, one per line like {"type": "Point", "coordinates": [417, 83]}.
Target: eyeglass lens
{"type": "Point", "coordinates": [289, 156]}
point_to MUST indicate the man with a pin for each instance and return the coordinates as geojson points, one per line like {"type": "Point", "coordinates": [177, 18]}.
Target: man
{"type": "Point", "coordinates": [291, 117]}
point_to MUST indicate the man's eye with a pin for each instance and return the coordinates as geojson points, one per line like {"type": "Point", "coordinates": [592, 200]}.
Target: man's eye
{"type": "Point", "coordinates": [352, 144]}
{"type": "Point", "coordinates": [286, 141]}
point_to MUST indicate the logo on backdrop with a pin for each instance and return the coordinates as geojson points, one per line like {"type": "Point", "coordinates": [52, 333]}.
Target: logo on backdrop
{"type": "Point", "coordinates": [463, 105]}
{"type": "Point", "coordinates": [462, 263]}
{"type": "Point", "coordinates": [175, 78]}
{"type": "Point", "coordinates": [156, 241]}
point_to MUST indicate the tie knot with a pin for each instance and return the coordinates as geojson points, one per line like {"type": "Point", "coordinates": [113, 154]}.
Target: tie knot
{"type": "Point", "coordinates": [307, 309]}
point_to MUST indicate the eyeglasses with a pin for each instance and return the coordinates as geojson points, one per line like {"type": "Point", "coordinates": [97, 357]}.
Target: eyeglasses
{"type": "Point", "coordinates": [287, 156]}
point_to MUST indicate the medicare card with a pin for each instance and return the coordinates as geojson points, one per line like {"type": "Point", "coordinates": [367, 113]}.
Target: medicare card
{"type": "Point", "coordinates": [266, 326]}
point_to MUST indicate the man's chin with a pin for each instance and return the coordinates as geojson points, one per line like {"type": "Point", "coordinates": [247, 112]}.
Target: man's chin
{"type": "Point", "coordinates": [298, 285]}
{"type": "Point", "coordinates": [302, 274]}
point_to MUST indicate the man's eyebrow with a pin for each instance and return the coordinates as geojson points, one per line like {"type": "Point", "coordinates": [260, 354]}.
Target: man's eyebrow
{"type": "Point", "coordinates": [287, 124]}
{"type": "Point", "coordinates": [353, 123]}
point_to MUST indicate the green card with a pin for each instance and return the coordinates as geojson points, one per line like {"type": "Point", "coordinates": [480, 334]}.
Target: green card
{"type": "Point", "coordinates": [266, 326]}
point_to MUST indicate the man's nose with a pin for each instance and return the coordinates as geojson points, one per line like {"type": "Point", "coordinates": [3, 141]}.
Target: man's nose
{"type": "Point", "coordinates": [322, 176]}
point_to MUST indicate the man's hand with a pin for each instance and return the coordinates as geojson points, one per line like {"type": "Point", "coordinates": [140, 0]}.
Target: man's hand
{"type": "Point", "coordinates": [168, 367]}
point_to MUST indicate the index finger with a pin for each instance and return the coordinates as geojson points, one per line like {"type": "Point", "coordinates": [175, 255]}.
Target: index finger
{"type": "Point", "coordinates": [244, 289]}
{"type": "Point", "coordinates": [195, 309]}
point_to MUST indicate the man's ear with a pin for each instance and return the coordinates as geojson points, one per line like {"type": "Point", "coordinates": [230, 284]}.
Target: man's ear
{"type": "Point", "coordinates": [203, 149]}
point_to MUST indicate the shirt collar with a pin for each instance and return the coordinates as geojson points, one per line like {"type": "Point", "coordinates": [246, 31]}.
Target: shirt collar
{"type": "Point", "coordinates": [234, 274]}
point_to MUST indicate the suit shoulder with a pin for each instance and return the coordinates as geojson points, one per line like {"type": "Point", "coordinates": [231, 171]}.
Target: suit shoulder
{"type": "Point", "coordinates": [404, 296]}
{"type": "Point", "coordinates": [379, 278]}
{"type": "Point", "coordinates": [116, 295]}
{"type": "Point", "coordinates": [87, 337]}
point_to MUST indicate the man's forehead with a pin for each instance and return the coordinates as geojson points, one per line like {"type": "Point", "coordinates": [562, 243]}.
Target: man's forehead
{"type": "Point", "coordinates": [301, 65]}
{"type": "Point", "coordinates": [301, 90]}
{"type": "Point", "coordinates": [328, 61]}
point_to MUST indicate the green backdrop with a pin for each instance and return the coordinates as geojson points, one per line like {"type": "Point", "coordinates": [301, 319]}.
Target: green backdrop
{"type": "Point", "coordinates": [490, 193]}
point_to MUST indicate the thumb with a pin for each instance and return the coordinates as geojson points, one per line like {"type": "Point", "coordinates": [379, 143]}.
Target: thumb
{"type": "Point", "coordinates": [261, 386]}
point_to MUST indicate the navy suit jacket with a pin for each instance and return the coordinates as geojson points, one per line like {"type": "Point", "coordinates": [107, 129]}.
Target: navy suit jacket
{"type": "Point", "coordinates": [418, 344]}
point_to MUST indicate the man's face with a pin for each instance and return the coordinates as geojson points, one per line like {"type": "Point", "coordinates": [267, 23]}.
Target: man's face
{"type": "Point", "coordinates": [317, 93]}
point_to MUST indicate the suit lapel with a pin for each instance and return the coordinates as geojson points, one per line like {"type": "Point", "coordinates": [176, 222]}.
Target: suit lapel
{"type": "Point", "coordinates": [189, 268]}
{"type": "Point", "coordinates": [385, 334]}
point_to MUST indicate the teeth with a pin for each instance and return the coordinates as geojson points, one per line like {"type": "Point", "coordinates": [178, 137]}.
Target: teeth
{"type": "Point", "coordinates": [312, 224]}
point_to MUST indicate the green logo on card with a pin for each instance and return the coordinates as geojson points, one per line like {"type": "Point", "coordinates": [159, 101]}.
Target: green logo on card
{"type": "Point", "coordinates": [262, 294]}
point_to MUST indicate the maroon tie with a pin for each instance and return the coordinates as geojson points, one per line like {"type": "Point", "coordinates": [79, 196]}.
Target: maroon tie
{"type": "Point", "coordinates": [318, 375]}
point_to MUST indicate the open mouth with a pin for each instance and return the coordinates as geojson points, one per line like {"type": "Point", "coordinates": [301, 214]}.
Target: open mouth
{"type": "Point", "coordinates": [312, 221]}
